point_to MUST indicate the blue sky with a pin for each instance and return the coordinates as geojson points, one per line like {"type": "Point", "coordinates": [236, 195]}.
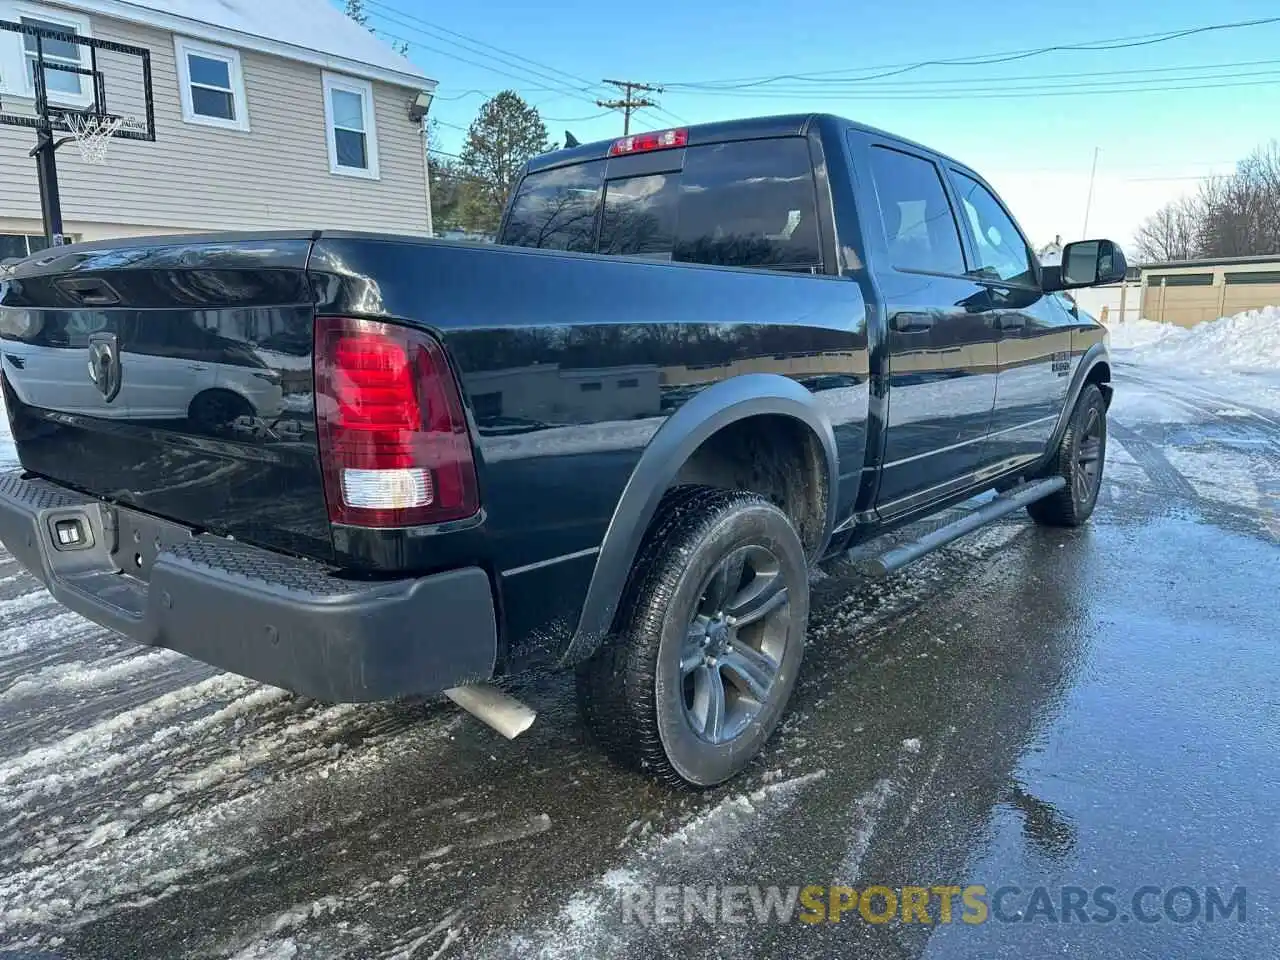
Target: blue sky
{"type": "Point", "coordinates": [1206, 100]}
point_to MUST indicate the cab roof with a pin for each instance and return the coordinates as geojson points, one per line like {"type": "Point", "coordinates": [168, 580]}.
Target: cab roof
{"type": "Point", "coordinates": [753, 128]}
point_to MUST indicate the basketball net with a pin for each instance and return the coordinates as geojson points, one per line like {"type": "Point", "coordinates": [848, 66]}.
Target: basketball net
{"type": "Point", "coordinates": [93, 134]}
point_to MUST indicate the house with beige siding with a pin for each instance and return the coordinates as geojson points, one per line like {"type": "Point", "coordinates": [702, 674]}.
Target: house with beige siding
{"type": "Point", "coordinates": [269, 114]}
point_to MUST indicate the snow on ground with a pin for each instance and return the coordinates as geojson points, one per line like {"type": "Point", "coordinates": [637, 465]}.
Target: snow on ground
{"type": "Point", "coordinates": [1237, 356]}
{"type": "Point", "coordinates": [587, 925]}
{"type": "Point", "coordinates": [1246, 341]}
{"type": "Point", "coordinates": [8, 452]}
{"type": "Point", "coordinates": [1142, 334]}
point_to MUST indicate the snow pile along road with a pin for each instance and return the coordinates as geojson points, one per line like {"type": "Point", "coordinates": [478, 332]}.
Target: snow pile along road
{"type": "Point", "coordinates": [1142, 334]}
{"type": "Point", "coordinates": [1247, 341]}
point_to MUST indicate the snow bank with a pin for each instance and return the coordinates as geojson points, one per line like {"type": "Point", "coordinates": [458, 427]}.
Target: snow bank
{"type": "Point", "coordinates": [1247, 341]}
{"type": "Point", "coordinates": [1143, 333]}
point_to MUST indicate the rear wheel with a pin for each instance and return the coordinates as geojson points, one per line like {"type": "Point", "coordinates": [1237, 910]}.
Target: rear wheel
{"type": "Point", "coordinates": [1079, 460]}
{"type": "Point", "coordinates": [217, 408]}
{"type": "Point", "coordinates": [710, 641]}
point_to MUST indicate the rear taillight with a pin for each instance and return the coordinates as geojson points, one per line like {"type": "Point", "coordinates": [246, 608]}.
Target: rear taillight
{"type": "Point", "coordinates": [393, 439]}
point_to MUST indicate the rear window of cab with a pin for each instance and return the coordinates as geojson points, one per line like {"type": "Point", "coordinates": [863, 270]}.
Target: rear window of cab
{"type": "Point", "coordinates": [749, 203]}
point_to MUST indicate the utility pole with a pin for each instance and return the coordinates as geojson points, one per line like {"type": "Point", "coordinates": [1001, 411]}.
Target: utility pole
{"type": "Point", "coordinates": [628, 103]}
{"type": "Point", "coordinates": [1088, 204]}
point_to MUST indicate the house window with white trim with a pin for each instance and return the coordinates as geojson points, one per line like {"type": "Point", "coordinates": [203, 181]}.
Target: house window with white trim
{"type": "Point", "coordinates": [211, 83]}
{"type": "Point", "coordinates": [349, 126]}
{"type": "Point", "coordinates": [18, 53]}
{"type": "Point", "coordinates": [19, 245]}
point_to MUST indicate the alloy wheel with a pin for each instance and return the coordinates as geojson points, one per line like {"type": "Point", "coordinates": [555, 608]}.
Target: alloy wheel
{"type": "Point", "coordinates": [734, 645]}
{"type": "Point", "coordinates": [1087, 472]}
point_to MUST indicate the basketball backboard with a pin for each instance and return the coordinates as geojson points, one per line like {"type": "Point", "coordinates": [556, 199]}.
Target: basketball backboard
{"type": "Point", "coordinates": [53, 72]}
{"type": "Point", "coordinates": [55, 81]}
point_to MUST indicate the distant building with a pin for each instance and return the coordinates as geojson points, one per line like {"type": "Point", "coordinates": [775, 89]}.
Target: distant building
{"type": "Point", "coordinates": [546, 393]}
{"type": "Point", "coordinates": [1187, 292]}
{"type": "Point", "coordinates": [1051, 253]}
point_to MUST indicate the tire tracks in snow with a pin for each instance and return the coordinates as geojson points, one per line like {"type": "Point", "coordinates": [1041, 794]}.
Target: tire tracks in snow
{"type": "Point", "coordinates": [1226, 461]}
{"type": "Point", "coordinates": [1159, 470]}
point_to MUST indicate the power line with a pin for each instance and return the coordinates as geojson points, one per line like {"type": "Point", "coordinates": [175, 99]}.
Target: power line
{"type": "Point", "coordinates": [524, 79]}
{"type": "Point", "coordinates": [474, 63]}
{"type": "Point", "coordinates": [1203, 176]}
{"type": "Point", "coordinates": [1030, 81]}
{"type": "Point", "coordinates": [1064, 90]}
{"type": "Point", "coordinates": [892, 70]}
{"type": "Point", "coordinates": [629, 102]}
{"type": "Point", "coordinates": [500, 54]}
{"type": "Point", "coordinates": [464, 94]}
{"type": "Point", "coordinates": [466, 40]}
{"type": "Point", "coordinates": [594, 116]}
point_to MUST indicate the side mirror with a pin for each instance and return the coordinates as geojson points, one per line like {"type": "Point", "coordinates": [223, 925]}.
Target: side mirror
{"type": "Point", "coordinates": [1089, 263]}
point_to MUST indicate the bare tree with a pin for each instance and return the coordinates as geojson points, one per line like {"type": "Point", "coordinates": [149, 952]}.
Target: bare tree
{"type": "Point", "coordinates": [1171, 233]}
{"type": "Point", "coordinates": [1242, 211]}
{"type": "Point", "coordinates": [1236, 215]}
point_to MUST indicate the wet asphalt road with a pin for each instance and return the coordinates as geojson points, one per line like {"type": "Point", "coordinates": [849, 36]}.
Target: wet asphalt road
{"type": "Point", "coordinates": [1026, 708]}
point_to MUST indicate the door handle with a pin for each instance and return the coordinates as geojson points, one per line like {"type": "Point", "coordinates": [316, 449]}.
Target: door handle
{"type": "Point", "coordinates": [89, 291]}
{"type": "Point", "coordinates": [1010, 321]}
{"type": "Point", "coordinates": [906, 322]}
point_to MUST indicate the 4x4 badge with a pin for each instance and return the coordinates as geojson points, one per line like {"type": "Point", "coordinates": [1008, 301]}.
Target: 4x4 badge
{"type": "Point", "coordinates": [104, 364]}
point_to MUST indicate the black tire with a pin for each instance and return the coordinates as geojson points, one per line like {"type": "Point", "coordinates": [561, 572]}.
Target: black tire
{"type": "Point", "coordinates": [645, 695]}
{"type": "Point", "coordinates": [1079, 460]}
{"type": "Point", "coordinates": [218, 408]}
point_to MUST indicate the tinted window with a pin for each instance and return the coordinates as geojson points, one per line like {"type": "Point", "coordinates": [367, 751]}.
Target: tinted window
{"type": "Point", "coordinates": [919, 228]}
{"type": "Point", "coordinates": [12, 245]}
{"type": "Point", "coordinates": [748, 204]}
{"type": "Point", "coordinates": [487, 405]}
{"type": "Point", "coordinates": [556, 209]}
{"type": "Point", "coordinates": [1002, 253]}
{"type": "Point", "coordinates": [640, 216]}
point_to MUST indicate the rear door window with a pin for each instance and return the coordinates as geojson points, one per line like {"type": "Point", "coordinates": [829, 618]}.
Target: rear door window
{"type": "Point", "coordinates": [556, 209]}
{"type": "Point", "coordinates": [749, 204]}
{"type": "Point", "coordinates": [920, 229]}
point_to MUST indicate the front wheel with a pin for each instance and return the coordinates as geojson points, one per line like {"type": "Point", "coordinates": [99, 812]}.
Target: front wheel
{"type": "Point", "coordinates": [1079, 460]}
{"type": "Point", "coordinates": [710, 641]}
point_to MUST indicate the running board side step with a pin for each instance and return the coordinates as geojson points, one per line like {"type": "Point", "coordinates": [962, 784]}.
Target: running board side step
{"type": "Point", "coordinates": [1001, 506]}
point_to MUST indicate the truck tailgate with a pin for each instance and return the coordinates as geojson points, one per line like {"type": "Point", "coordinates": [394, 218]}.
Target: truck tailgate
{"type": "Point", "coordinates": [174, 376]}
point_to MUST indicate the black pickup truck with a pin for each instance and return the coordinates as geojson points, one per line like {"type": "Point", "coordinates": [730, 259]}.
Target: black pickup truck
{"type": "Point", "coordinates": [697, 363]}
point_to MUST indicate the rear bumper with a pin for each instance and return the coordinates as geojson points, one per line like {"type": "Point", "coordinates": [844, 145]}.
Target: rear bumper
{"type": "Point", "coordinates": [288, 622]}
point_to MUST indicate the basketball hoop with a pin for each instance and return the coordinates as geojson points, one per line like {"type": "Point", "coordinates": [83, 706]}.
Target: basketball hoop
{"type": "Point", "coordinates": [83, 60]}
{"type": "Point", "coordinates": [92, 134]}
